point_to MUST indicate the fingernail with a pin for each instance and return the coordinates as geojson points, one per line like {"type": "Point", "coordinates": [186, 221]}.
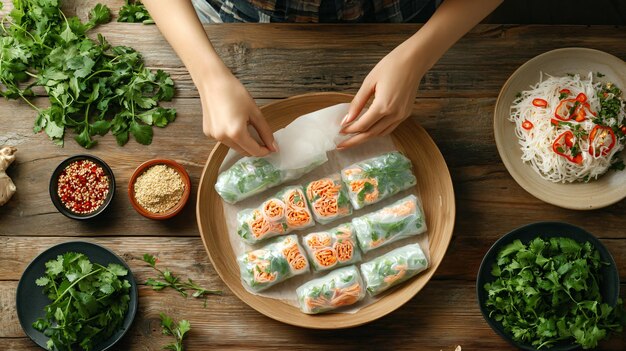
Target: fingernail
{"type": "Point", "coordinates": [345, 118]}
{"type": "Point", "coordinates": [275, 146]}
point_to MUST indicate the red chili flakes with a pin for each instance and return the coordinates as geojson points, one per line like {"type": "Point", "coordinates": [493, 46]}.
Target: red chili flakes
{"type": "Point", "coordinates": [83, 186]}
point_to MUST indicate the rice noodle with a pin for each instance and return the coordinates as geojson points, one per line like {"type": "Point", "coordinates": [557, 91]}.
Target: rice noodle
{"type": "Point", "coordinates": [536, 143]}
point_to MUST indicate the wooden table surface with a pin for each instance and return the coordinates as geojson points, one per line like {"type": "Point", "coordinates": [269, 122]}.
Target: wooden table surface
{"type": "Point", "coordinates": [456, 100]}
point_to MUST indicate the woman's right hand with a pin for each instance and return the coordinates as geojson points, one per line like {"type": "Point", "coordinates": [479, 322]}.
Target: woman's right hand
{"type": "Point", "coordinates": [228, 109]}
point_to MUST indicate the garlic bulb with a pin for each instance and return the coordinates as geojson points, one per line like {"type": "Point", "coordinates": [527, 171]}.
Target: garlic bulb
{"type": "Point", "coordinates": [7, 188]}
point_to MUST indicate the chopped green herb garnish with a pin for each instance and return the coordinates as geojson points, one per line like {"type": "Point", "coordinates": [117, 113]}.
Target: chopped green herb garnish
{"type": "Point", "coordinates": [548, 292]}
{"type": "Point", "coordinates": [177, 330]}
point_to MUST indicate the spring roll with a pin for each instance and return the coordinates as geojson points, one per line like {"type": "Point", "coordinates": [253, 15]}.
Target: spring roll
{"type": "Point", "coordinates": [281, 214]}
{"type": "Point", "coordinates": [328, 199]}
{"type": "Point", "coordinates": [393, 268]}
{"type": "Point", "coordinates": [399, 220]}
{"type": "Point", "coordinates": [272, 264]}
{"type": "Point", "coordinates": [247, 177]}
{"type": "Point", "coordinates": [341, 287]}
{"type": "Point", "coordinates": [333, 248]}
{"type": "Point", "coordinates": [377, 178]}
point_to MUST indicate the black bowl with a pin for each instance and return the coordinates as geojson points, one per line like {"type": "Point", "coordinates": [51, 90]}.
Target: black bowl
{"type": "Point", "coordinates": [31, 301]}
{"type": "Point", "coordinates": [609, 288]}
{"type": "Point", "coordinates": [54, 182]}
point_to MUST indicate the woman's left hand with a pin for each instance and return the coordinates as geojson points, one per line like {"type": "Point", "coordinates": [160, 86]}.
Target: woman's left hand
{"type": "Point", "coordinates": [393, 82]}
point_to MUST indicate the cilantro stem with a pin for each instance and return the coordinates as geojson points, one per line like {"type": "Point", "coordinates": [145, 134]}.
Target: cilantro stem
{"type": "Point", "coordinates": [76, 282]}
{"type": "Point", "coordinates": [98, 72]}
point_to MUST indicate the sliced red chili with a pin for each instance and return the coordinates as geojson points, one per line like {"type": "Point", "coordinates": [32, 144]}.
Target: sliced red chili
{"type": "Point", "coordinates": [564, 111]}
{"type": "Point", "coordinates": [580, 114]}
{"type": "Point", "coordinates": [623, 129]}
{"type": "Point", "coordinates": [565, 91]}
{"type": "Point", "coordinates": [601, 141]}
{"type": "Point", "coordinates": [527, 125]}
{"type": "Point", "coordinates": [578, 159]}
{"type": "Point", "coordinates": [554, 121]}
{"type": "Point", "coordinates": [540, 103]}
{"type": "Point", "coordinates": [581, 97]}
{"type": "Point", "coordinates": [562, 147]}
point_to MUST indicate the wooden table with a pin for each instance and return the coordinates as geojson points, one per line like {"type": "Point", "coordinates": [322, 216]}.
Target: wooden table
{"type": "Point", "coordinates": [456, 100]}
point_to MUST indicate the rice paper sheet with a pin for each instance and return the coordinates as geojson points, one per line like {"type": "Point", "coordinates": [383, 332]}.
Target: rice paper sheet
{"type": "Point", "coordinates": [328, 199]}
{"type": "Point", "coordinates": [337, 160]}
{"type": "Point", "coordinates": [339, 288]}
{"type": "Point", "coordinates": [273, 263]}
{"type": "Point", "coordinates": [399, 220]}
{"type": "Point", "coordinates": [378, 178]}
{"type": "Point", "coordinates": [393, 268]}
{"type": "Point", "coordinates": [299, 154]}
{"type": "Point", "coordinates": [333, 248]}
{"type": "Point", "coordinates": [281, 214]}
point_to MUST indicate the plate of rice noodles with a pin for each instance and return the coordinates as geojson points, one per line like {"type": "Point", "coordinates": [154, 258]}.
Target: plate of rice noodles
{"type": "Point", "coordinates": [559, 125]}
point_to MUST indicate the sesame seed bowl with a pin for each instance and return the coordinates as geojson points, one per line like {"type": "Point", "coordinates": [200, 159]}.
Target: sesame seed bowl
{"type": "Point", "coordinates": [82, 187]}
{"type": "Point", "coordinates": [159, 189]}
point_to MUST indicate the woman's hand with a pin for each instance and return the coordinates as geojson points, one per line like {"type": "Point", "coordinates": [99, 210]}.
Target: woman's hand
{"type": "Point", "coordinates": [393, 82]}
{"type": "Point", "coordinates": [228, 109]}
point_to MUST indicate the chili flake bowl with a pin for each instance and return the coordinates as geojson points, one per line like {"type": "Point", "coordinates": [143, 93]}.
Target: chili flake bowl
{"type": "Point", "coordinates": [58, 201]}
{"type": "Point", "coordinates": [170, 212]}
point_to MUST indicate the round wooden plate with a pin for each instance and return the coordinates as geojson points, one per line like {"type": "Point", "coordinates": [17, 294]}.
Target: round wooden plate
{"type": "Point", "coordinates": [433, 183]}
{"type": "Point", "coordinates": [606, 190]}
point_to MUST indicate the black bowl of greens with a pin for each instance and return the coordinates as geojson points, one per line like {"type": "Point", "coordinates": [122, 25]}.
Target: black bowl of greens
{"type": "Point", "coordinates": [550, 286]}
{"type": "Point", "coordinates": [76, 295]}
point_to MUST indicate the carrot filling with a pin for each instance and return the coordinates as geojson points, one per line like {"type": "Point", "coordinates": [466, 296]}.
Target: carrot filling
{"type": "Point", "coordinates": [326, 257]}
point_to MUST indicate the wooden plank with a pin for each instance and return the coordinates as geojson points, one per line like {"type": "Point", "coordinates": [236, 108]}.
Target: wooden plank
{"type": "Point", "coordinates": [288, 59]}
{"type": "Point", "coordinates": [442, 316]}
{"type": "Point", "coordinates": [187, 256]}
{"type": "Point", "coordinates": [484, 189]}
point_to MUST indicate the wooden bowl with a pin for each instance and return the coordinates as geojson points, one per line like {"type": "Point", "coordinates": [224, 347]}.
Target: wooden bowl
{"type": "Point", "coordinates": [433, 182]}
{"type": "Point", "coordinates": [608, 188]}
{"type": "Point", "coordinates": [172, 211]}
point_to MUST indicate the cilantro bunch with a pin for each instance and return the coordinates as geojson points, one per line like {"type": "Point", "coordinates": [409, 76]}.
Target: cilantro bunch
{"type": "Point", "coordinates": [177, 330]}
{"type": "Point", "coordinates": [134, 12]}
{"type": "Point", "coordinates": [89, 301]}
{"type": "Point", "coordinates": [548, 292]}
{"type": "Point", "coordinates": [93, 87]}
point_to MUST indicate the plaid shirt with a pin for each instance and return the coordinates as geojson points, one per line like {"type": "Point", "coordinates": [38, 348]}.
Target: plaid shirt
{"type": "Point", "coordinates": [315, 11]}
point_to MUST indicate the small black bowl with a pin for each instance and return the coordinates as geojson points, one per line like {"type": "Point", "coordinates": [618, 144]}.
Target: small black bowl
{"type": "Point", "coordinates": [609, 288]}
{"type": "Point", "coordinates": [31, 301]}
{"type": "Point", "coordinates": [54, 182]}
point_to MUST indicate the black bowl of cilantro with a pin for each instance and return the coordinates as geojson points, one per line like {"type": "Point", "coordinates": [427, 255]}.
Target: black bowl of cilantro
{"type": "Point", "coordinates": [76, 296]}
{"type": "Point", "coordinates": [550, 286]}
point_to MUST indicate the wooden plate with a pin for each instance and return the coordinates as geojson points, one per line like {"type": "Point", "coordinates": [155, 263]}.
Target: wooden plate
{"type": "Point", "coordinates": [606, 190]}
{"type": "Point", "coordinates": [433, 182]}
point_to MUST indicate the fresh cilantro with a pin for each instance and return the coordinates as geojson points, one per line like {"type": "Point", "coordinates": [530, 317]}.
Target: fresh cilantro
{"type": "Point", "coordinates": [169, 280]}
{"type": "Point", "coordinates": [562, 96]}
{"type": "Point", "coordinates": [88, 301]}
{"type": "Point", "coordinates": [617, 165]}
{"type": "Point", "coordinates": [134, 12]}
{"type": "Point", "coordinates": [93, 87]}
{"type": "Point", "coordinates": [178, 331]}
{"type": "Point", "coordinates": [547, 292]}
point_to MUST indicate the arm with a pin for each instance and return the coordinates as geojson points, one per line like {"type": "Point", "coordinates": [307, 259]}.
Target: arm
{"type": "Point", "coordinates": [394, 80]}
{"type": "Point", "coordinates": [227, 107]}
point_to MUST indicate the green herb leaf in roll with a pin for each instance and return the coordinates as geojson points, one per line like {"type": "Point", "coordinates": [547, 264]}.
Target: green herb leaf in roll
{"type": "Point", "coordinates": [328, 199]}
{"type": "Point", "coordinates": [377, 178]}
{"type": "Point", "coordinates": [339, 288]}
{"type": "Point", "coordinates": [399, 220]}
{"type": "Point", "coordinates": [247, 177]}
{"type": "Point", "coordinates": [393, 268]}
{"type": "Point", "coordinates": [272, 264]}
{"type": "Point", "coordinates": [333, 248]}
{"type": "Point", "coordinates": [281, 214]}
